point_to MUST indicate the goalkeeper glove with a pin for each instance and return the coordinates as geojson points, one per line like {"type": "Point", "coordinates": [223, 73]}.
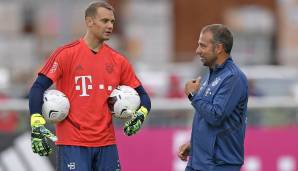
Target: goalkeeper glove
{"type": "Point", "coordinates": [39, 135]}
{"type": "Point", "coordinates": [134, 125]}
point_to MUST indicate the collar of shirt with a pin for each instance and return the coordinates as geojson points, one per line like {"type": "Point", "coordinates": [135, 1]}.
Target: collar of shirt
{"type": "Point", "coordinates": [219, 67]}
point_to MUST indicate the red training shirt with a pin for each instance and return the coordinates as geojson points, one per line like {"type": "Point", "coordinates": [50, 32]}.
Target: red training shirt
{"type": "Point", "coordinates": [88, 79]}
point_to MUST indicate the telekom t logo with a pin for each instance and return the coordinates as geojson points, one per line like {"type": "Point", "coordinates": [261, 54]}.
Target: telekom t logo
{"type": "Point", "coordinates": [84, 87]}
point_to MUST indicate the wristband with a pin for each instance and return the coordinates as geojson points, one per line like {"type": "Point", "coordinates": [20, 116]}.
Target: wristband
{"type": "Point", "coordinates": [190, 96]}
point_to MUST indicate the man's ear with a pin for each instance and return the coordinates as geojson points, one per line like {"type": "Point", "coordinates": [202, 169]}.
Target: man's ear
{"type": "Point", "coordinates": [89, 21]}
{"type": "Point", "coordinates": [219, 48]}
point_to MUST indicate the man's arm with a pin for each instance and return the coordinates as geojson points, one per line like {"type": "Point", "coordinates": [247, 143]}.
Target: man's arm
{"type": "Point", "coordinates": [224, 102]}
{"type": "Point", "coordinates": [192, 87]}
{"type": "Point", "coordinates": [145, 99]}
{"type": "Point", "coordinates": [132, 126]}
{"type": "Point", "coordinates": [41, 84]}
{"type": "Point", "coordinates": [39, 133]}
{"type": "Point", "coordinates": [184, 150]}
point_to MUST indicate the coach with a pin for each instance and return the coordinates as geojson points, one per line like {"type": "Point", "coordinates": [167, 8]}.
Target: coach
{"type": "Point", "coordinates": [220, 103]}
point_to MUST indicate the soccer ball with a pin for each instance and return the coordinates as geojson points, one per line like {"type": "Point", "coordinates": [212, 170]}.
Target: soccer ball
{"type": "Point", "coordinates": [55, 106]}
{"type": "Point", "coordinates": [123, 101]}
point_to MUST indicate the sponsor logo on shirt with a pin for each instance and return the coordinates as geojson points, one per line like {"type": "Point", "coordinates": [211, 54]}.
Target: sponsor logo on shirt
{"type": "Point", "coordinates": [84, 83]}
{"type": "Point", "coordinates": [84, 86]}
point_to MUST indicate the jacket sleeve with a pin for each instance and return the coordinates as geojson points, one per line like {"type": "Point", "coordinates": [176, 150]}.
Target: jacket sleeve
{"type": "Point", "coordinates": [224, 102]}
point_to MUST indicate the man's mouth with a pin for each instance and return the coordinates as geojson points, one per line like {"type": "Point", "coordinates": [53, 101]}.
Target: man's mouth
{"type": "Point", "coordinates": [108, 32]}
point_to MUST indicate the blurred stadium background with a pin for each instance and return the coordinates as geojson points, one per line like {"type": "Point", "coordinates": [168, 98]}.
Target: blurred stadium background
{"type": "Point", "coordinates": [160, 37]}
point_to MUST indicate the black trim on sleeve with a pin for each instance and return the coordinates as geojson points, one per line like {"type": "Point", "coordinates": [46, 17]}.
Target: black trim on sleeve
{"type": "Point", "coordinates": [41, 84]}
{"type": "Point", "coordinates": [145, 99]}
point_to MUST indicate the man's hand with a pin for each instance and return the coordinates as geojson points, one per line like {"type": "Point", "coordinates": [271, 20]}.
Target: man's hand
{"type": "Point", "coordinates": [192, 86]}
{"type": "Point", "coordinates": [184, 151]}
{"type": "Point", "coordinates": [134, 125]}
{"type": "Point", "coordinates": [39, 135]}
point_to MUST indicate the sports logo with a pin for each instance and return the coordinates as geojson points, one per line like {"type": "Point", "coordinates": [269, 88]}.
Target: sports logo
{"type": "Point", "coordinates": [54, 67]}
{"type": "Point", "coordinates": [215, 82]}
{"type": "Point", "coordinates": [78, 67]}
{"type": "Point", "coordinates": [109, 68]}
{"type": "Point", "coordinates": [204, 84]}
{"type": "Point", "coordinates": [52, 113]}
{"type": "Point", "coordinates": [86, 84]}
{"type": "Point", "coordinates": [71, 166]}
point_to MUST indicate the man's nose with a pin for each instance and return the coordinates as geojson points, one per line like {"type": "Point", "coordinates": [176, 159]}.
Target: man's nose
{"type": "Point", "coordinates": [110, 25]}
{"type": "Point", "coordinates": [198, 51]}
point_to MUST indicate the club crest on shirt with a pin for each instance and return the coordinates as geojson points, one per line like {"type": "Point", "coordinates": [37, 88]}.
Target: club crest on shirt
{"type": "Point", "coordinates": [109, 68]}
{"type": "Point", "coordinates": [215, 82]}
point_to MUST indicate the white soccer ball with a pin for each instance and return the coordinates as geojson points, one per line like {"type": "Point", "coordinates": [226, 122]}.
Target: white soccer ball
{"type": "Point", "coordinates": [55, 106]}
{"type": "Point", "coordinates": [124, 101]}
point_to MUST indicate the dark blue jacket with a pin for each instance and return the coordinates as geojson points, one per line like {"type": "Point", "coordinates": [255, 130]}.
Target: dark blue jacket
{"type": "Point", "coordinates": [217, 139]}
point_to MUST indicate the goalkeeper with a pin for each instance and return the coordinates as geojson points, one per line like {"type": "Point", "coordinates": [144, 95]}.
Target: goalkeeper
{"type": "Point", "coordinates": [86, 70]}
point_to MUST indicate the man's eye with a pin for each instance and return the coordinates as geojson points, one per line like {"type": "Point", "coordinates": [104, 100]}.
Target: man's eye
{"type": "Point", "coordinates": [105, 21]}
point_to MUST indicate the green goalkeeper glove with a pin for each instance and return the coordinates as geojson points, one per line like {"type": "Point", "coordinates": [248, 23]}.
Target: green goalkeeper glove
{"type": "Point", "coordinates": [39, 135]}
{"type": "Point", "coordinates": [134, 125]}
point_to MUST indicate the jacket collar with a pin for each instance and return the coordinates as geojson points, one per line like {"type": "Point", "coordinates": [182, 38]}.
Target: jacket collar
{"type": "Point", "coordinates": [218, 67]}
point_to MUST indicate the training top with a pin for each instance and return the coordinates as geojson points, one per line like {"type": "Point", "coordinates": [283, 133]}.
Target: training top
{"type": "Point", "coordinates": [87, 79]}
{"type": "Point", "coordinates": [218, 130]}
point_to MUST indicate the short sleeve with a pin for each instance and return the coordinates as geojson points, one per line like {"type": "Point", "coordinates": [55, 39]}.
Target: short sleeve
{"type": "Point", "coordinates": [53, 67]}
{"type": "Point", "coordinates": [128, 76]}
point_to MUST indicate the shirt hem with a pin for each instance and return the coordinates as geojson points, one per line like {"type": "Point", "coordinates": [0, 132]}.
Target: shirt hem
{"type": "Point", "coordinates": [85, 144]}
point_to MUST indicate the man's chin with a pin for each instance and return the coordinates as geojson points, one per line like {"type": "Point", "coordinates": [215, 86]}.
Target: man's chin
{"type": "Point", "coordinates": [106, 38]}
{"type": "Point", "coordinates": [204, 63]}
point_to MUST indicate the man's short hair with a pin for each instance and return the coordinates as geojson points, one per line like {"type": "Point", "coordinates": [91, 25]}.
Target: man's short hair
{"type": "Point", "coordinates": [91, 9]}
{"type": "Point", "coordinates": [221, 34]}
